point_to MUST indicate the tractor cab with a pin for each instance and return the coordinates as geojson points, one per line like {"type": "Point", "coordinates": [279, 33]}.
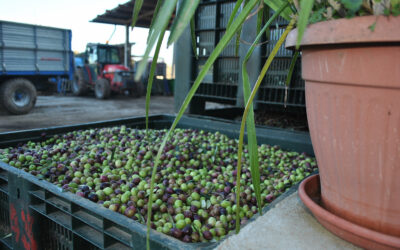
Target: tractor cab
{"type": "Point", "coordinates": [104, 59]}
{"type": "Point", "coordinates": [102, 54]}
{"type": "Point", "coordinates": [104, 73]}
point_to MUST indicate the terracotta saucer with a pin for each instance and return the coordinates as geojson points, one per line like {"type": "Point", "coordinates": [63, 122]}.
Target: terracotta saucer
{"type": "Point", "coordinates": [310, 194]}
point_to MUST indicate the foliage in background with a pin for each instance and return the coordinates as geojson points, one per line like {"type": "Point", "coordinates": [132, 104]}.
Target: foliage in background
{"type": "Point", "coordinates": [334, 9]}
{"type": "Point", "coordinates": [313, 11]}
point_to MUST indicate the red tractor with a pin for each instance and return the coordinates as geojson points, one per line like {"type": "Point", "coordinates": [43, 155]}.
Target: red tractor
{"type": "Point", "coordinates": [99, 69]}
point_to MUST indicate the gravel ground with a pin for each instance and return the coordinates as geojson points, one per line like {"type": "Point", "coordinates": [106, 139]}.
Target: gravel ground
{"type": "Point", "coordinates": [68, 110]}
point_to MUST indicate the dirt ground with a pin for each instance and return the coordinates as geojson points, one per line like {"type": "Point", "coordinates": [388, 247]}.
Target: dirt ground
{"type": "Point", "coordinates": [68, 110]}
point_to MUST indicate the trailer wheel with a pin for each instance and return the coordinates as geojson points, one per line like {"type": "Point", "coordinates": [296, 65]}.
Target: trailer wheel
{"type": "Point", "coordinates": [18, 96]}
{"type": "Point", "coordinates": [78, 84]}
{"type": "Point", "coordinates": [102, 89]}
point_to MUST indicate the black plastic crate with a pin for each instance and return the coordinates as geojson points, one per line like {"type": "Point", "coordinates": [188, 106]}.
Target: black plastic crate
{"type": "Point", "coordinates": [217, 91]}
{"type": "Point", "coordinates": [206, 17]}
{"type": "Point", "coordinates": [228, 71]}
{"type": "Point", "coordinates": [294, 97]}
{"type": "Point", "coordinates": [205, 43]}
{"type": "Point", "coordinates": [221, 82]}
{"type": "Point", "coordinates": [63, 220]}
{"type": "Point", "coordinates": [272, 89]}
{"type": "Point", "coordinates": [209, 78]}
{"type": "Point", "coordinates": [5, 227]}
{"type": "Point", "coordinates": [230, 49]}
{"type": "Point", "coordinates": [225, 10]}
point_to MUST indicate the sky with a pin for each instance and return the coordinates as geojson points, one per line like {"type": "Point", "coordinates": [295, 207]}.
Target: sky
{"type": "Point", "coordinates": [76, 15]}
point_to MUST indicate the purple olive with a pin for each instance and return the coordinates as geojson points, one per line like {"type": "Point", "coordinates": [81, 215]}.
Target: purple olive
{"type": "Point", "coordinates": [81, 194]}
{"type": "Point", "coordinates": [130, 211]}
{"type": "Point", "coordinates": [187, 239]}
{"type": "Point", "coordinates": [207, 235]}
{"type": "Point", "coordinates": [93, 197]}
{"type": "Point", "coordinates": [176, 233]}
{"type": "Point", "coordinates": [187, 230]}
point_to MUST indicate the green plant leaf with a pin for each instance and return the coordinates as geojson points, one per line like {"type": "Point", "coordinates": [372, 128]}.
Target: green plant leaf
{"type": "Point", "coordinates": [275, 4]}
{"type": "Point", "coordinates": [136, 9]}
{"type": "Point", "coordinates": [248, 107]}
{"type": "Point", "coordinates": [395, 7]}
{"type": "Point", "coordinates": [234, 12]}
{"type": "Point", "coordinates": [159, 2]}
{"type": "Point", "coordinates": [267, 15]}
{"type": "Point", "coordinates": [252, 142]}
{"type": "Point", "coordinates": [251, 128]}
{"type": "Point", "coordinates": [304, 14]}
{"type": "Point", "coordinates": [352, 5]}
{"type": "Point", "coordinates": [185, 14]}
{"type": "Point", "coordinates": [260, 14]}
{"type": "Point", "coordinates": [318, 15]}
{"type": "Point", "coordinates": [291, 68]}
{"type": "Point", "coordinates": [372, 26]}
{"type": "Point", "coordinates": [193, 36]}
{"type": "Point", "coordinates": [239, 32]}
{"type": "Point", "coordinates": [289, 75]}
{"type": "Point", "coordinates": [224, 41]}
{"type": "Point", "coordinates": [394, 2]}
{"type": "Point", "coordinates": [237, 41]}
{"type": "Point", "coordinates": [160, 23]}
{"type": "Point", "coordinates": [151, 77]}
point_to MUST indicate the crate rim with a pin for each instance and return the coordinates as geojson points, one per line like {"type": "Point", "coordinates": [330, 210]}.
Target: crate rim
{"type": "Point", "coordinates": [122, 121]}
{"type": "Point", "coordinates": [131, 225]}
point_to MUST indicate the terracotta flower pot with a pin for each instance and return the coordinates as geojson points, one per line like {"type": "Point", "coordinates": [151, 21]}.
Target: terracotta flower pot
{"type": "Point", "coordinates": [352, 79]}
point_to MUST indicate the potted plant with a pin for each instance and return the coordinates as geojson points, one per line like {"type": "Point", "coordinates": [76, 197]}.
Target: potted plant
{"type": "Point", "coordinates": [353, 115]}
{"type": "Point", "coordinates": [351, 68]}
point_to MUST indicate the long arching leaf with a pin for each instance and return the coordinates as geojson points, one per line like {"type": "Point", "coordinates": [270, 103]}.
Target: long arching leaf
{"type": "Point", "coordinates": [239, 32]}
{"type": "Point", "coordinates": [275, 4]}
{"type": "Point", "coordinates": [251, 128]}
{"type": "Point", "coordinates": [234, 12]}
{"type": "Point", "coordinates": [247, 110]}
{"type": "Point", "coordinates": [290, 73]}
{"type": "Point", "coordinates": [193, 36]}
{"type": "Point", "coordinates": [291, 68]}
{"type": "Point", "coordinates": [160, 23]}
{"type": "Point", "coordinates": [151, 77]}
{"type": "Point", "coordinates": [156, 10]}
{"type": "Point", "coordinates": [304, 14]}
{"type": "Point", "coordinates": [185, 14]}
{"type": "Point", "coordinates": [237, 41]}
{"type": "Point", "coordinates": [136, 9]}
{"type": "Point", "coordinates": [260, 16]}
{"type": "Point", "coordinates": [210, 61]}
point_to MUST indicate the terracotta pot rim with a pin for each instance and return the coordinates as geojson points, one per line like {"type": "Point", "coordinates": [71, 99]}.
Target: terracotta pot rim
{"type": "Point", "coordinates": [349, 31]}
{"type": "Point", "coordinates": [344, 226]}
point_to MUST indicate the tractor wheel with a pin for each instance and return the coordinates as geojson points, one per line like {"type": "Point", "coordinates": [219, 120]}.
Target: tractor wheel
{"type": "Point", "coordinates": [17, 96]}
{"type": "Point", "coordinates": [78, 84]}
{"type": "Point", "coordinates": [102, 89]}
{"type": "Point", "coordinates": [138, 90]}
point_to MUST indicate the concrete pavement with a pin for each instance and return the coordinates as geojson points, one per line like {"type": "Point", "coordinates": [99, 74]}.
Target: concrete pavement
{"type": "Point", "coordinates": [289, 225]}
